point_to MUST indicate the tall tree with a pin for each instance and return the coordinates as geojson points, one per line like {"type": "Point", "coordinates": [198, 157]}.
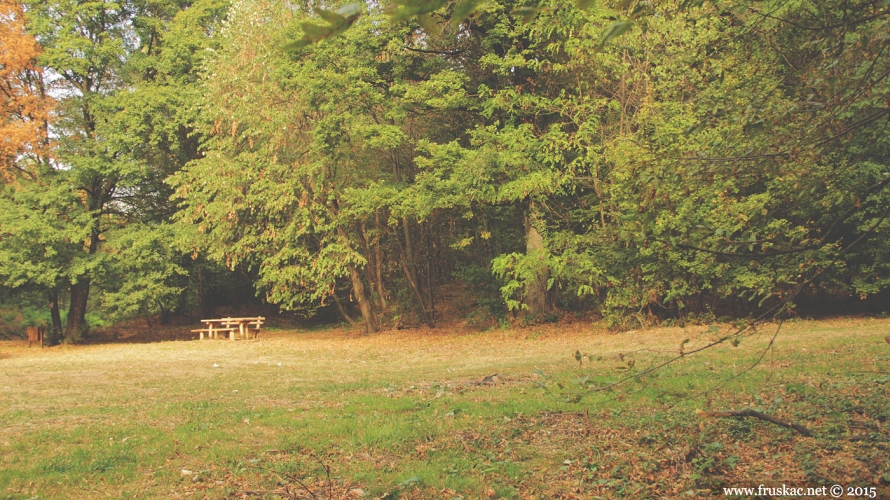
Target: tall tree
{"type": "Point", "coordinates": [31, 256]}
{"type": "Point", "coordinates": [154, 128]}
{"type": "Point", "coordinates": [24, 104]}
{"type": "Point", "coordinates": [39, 239]}
{"type": "Point", "coordinates": [121, 126]}
{"type": "Point", "coordinates": [306, 157]}
{"type": "Point", "coordinates": [271, 202]}
{"type": "Point", "coordinates": [86, 45]}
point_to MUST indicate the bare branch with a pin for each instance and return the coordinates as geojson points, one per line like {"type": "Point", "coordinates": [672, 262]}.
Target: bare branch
{"type": "Point", "coordinates": [748, 412]}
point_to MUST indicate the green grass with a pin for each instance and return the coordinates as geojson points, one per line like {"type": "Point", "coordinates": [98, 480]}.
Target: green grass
{"type": "Point", "coordinates": [401, 414]}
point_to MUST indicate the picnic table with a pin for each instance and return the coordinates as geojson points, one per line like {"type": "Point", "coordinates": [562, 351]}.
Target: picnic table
{"type": "Point", "coordinates": [242, 326]}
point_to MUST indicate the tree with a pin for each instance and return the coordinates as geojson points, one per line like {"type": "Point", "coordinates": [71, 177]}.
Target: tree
{"type": "Point", "coordinates": [669, 170]}
{"type": "Point", "coordinates": [29, 252]}
{"type": "Point", "coordinates": [306, 159]}
{"type": "Point", "coordinates": [154, 127]}
{"type": "Point", "coordinates": [712, 154]}
{"type": "Point", "coordinates": [85, 45]}
{"type": "Point", "coordinates": [120, 132]}
{"type": "Point", "coordinates": [272, 197]}
{"type": "Point", "coordinates": [24, 105]}
{"type": "Point", "coordinates": [749, 165]}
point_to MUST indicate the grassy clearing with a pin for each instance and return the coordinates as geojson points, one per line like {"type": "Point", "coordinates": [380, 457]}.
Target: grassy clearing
{"type": "Point", "coordinates": [402, 414]}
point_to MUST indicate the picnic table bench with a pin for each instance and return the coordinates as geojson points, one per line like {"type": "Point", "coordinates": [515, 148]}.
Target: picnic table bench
{"type": "Point", "coordinates": [243, 327]}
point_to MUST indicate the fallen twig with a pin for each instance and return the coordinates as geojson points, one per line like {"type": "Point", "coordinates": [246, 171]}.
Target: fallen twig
{"type": "Point", "coordinates": [260, 492]}
{"type": "Point", "coordinates": [289, 476]}
{"type": "Point", "coordinates": [748, 412]}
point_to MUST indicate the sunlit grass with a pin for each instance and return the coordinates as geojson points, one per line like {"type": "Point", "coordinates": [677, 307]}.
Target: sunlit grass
{"type": "Point", "coordinates": [404, 413]}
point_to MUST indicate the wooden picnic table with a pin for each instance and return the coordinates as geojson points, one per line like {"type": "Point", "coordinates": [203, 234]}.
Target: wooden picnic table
{"type": "Point", "coordinates": [243, 327]}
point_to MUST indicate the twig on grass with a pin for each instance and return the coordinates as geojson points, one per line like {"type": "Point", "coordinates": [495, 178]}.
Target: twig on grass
{"type": "Point", "coordinates": [288, 476]}
{"type": "Point", "coordinates": [327, 472]}
{"type": "Point", "coordinates": [262, 492]}
{"type": "Point", "coordinates": [324, 466]}
{"type": "Point", "coordinates": [748, 412]}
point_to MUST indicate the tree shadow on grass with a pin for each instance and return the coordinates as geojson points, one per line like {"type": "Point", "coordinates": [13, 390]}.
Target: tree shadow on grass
{"type": "Point", "coordinates": [143, 335]}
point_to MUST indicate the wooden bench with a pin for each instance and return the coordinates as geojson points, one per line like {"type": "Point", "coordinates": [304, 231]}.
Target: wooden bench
{"type": "Point", "coordinates": [212, 332]}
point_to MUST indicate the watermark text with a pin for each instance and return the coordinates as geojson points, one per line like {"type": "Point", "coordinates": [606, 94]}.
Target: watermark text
{"type": "Point", "coordinates": [834, 491]}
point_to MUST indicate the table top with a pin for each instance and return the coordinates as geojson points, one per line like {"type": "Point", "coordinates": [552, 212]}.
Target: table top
{"type": "Point", "coordinates": [222, 320]}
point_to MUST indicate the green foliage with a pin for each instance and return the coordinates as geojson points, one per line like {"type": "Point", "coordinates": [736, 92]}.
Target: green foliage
{"type": "Point", "coordinates": [143, 279]}
{"type": "Point", "coordinates": [15, 318]}
{"type": "Point", "coordinates": [651, 161]}
{"type": "Point", "coordinates": [656, 189]}
{"type": "Point", "coordinates": [39, 227]}
{"type": "Point", "coordinates": [270, 203]}
{"type": "Point", "coordinates": [488, 304]}
{"type": "Point", "coordinates": [92, 217]}
{"type": "Point", "coordinates": [338, 22]}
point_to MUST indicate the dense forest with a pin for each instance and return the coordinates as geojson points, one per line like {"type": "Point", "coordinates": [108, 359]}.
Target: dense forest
{"type": "Point", "coordinates": [635, 161]}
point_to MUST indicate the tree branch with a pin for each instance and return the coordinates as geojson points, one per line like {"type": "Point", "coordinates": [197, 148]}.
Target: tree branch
{"type": "Point", "coordinates": [436, 52]}
{"type": "Point", "coordinates": [748, 412]}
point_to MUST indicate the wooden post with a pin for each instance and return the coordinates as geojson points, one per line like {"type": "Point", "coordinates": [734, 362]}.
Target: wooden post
{"type": "Point", "coordinates": [35, 334]}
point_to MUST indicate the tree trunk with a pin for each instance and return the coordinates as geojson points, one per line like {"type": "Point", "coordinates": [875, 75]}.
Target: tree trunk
{"type": "Point", "coordinates": [412, 281]}
{"type": "Point", "coordinates": [378, 257]}
{"type": "Point", "coordinates": [370, 275]}
{"type": "Point", "coordinates": [358, 290]}
{"type": "Point", "coordinates": [487, 242]}
{"type": "Point", "coordinates": [364, 305]}
{"type": "Point", "coordinates": [77, 327]}
{"type": "Point", "coordinates": [409, 249]}
{"type": "Point", "coordinates": [77, 310]}
{"type": "Point", "coordinates": [536, 286]}
{"type": "Point", "coordinates": [202, 300]}
{"type": "Point", "coordinates": [55, 315]}
{"type": "Point", "coordinates": [342, 310]}
{"type": "Point", "coordinates": [429, 280]}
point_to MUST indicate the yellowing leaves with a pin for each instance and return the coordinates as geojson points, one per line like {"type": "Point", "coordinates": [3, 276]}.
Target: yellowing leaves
{"type": "Point", "coordinates": [25, 107]}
